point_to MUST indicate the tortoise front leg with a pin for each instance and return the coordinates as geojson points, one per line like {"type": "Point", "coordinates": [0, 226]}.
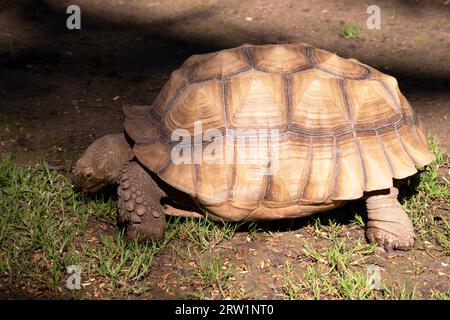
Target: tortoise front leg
{"type": "Point", "coordinates": [139, 203]}
{"type": "Point", "coordinates": [388, 224]}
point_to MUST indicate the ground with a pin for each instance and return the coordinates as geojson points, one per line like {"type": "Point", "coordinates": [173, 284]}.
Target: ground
{"type": "Point", "coordinates": [62, 89]}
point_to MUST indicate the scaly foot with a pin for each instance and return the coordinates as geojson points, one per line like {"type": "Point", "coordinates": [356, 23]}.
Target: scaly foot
{"type": "Point", "coordinates": [139, 203]}
{"type": "Point", "coordinates": [388, 224]}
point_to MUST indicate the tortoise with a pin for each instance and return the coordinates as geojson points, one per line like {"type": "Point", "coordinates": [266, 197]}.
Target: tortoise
{"type": "Point", "coordinates": [338, 130]}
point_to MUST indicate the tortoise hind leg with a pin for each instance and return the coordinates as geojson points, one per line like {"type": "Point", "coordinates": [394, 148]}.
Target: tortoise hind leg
{"type": "Point", "coordinates": [139, 203]}
{"type": "Point", "coordinates": [388, 224]}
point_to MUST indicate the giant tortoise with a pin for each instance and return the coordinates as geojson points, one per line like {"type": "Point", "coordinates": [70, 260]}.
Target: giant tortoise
{"type": "Point", "coordinates": [263, 132]}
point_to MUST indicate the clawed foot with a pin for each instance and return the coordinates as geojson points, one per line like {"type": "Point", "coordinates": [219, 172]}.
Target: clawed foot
{"type": "Point", "coordinates": [138, 204]}
{"type": "Point", "coordinates": [388, 224]}
{"type": "Point", "coordinates": [400, 237]}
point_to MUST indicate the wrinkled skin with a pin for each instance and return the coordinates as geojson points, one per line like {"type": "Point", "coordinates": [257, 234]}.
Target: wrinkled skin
{"type": "Point", "coordinates": [101, 162]}
{"type": "Point", "coordinates": [108, 161]}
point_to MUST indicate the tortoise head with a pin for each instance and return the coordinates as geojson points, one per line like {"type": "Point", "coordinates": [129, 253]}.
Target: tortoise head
{"type": "Point", "coordinates": [100, 164]}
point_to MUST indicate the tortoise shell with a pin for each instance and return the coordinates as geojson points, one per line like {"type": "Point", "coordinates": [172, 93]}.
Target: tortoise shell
{"type": "Point", "coordinates": [339, 128]}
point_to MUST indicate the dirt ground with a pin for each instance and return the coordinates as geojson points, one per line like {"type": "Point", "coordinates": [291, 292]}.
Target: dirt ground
{"type": "Point", "coordinates": [62, 89]}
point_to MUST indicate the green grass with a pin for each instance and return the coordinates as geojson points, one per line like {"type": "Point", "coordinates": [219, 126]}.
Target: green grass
{"type": "Point", "coordinates": [36, 226]}
{"type": "Point", "coordinates": [333, 271]}
{"type": "Point", "coordinates": [204, 234]}
{"type": "Point", "coordinates": [213, 273]}
{"type": "Point", "coordinates": [350, 32]}
{"type": "Point", "coordinates": [399, 293]}
{"type": "Point", "coordinates": [44, 228]}
{"type": "Point", "coordinates": [430, 194]}
{"type": "Point", "coordinates": [441, 295]}
{"type": "Point", "coordinates": [338, 271]}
